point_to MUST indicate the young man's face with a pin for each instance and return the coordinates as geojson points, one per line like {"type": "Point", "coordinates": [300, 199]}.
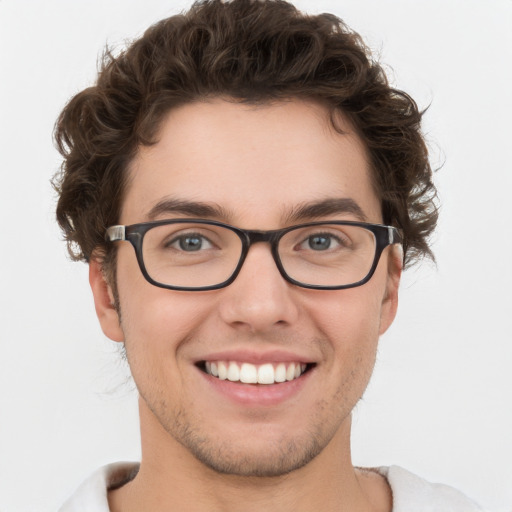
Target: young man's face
{"type": "Point", "coordinates": [256, 166]}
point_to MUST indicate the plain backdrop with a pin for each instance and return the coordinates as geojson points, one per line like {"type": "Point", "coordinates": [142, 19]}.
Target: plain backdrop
{"type": "Point", "coordinates": [440, 401]}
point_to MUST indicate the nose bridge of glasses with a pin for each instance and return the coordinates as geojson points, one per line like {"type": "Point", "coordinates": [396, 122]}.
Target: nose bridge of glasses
{"type": "Point", "coordinates": [256, 236]}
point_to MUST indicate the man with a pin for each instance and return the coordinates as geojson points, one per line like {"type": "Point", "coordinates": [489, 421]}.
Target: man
{"type": "Point", "coordinates": [246, 187]}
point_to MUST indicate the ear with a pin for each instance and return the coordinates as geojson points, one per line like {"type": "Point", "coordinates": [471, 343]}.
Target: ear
{"type": "Point", "coordinates": [390, 299]}
{"type": "Point", "coordinates": [104, 302]}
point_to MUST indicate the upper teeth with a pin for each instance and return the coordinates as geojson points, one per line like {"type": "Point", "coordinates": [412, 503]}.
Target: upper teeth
{"type": "Point", "coordinates": [248, 373]}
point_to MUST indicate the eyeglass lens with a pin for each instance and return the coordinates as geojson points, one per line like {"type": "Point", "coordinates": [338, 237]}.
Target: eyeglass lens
{"type": "Point", "coordinates": [200, 255]}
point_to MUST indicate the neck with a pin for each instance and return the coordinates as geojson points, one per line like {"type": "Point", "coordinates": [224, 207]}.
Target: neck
{"type": "Point", "coordinates": [171, 478]}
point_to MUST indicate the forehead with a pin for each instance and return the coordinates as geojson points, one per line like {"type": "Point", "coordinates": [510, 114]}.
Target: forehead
{"type": "Point", "coordinates": [255, 164]}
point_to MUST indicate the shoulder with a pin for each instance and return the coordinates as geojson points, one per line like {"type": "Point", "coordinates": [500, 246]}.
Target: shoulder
{"type": "Point", "coordinates": [410, 492]}
{"type": "Point", "coordinates": [92, 494]}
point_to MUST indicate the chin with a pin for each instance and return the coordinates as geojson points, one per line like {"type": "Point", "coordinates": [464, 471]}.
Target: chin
{"type": "Point", "coordinates": [273, 459]}
{"type": "Point", "coordinates": [262, 452]}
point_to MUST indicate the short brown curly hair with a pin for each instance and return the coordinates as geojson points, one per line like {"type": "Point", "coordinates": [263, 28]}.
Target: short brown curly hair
{"type": "Point", "coordinates": [250, 50]}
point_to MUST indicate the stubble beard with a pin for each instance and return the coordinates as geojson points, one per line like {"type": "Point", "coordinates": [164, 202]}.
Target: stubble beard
{"type": "Point", "coordinates": [275, 456]}
{"type": "Point", "coordinates": [253, 455]}
{"type": "Point", "coordinates": [280, 457]}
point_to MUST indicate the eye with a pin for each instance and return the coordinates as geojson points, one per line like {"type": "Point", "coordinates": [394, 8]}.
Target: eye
{"type": "Point", "coordinates": [191, 242]}
{"type": "Point", "coordinates": [320, 242]}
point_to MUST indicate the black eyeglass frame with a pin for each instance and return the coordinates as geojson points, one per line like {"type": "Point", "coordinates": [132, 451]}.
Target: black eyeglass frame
{"type": "Point", "coordinates": [134, 233]}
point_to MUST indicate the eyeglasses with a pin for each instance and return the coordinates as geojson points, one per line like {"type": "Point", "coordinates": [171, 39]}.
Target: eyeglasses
{"type": "Point", "coordinates": [198, 255]}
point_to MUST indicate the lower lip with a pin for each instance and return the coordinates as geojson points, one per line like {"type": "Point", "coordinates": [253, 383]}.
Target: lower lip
{"type": "Point", "coordinates": [265, 395]}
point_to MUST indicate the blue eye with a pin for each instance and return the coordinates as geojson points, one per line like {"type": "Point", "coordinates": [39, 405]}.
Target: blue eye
{"type": "Point", "coordinates": [190, 243]}
{"type": "Point", "coordinates": [320, 242]}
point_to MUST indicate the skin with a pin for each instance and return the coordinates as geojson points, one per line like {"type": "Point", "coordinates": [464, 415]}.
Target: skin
{"type": "Point", "coordinates": [201, 450]}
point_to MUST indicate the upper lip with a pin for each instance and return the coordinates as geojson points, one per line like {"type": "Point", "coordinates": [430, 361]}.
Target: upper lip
{"type": "Point", "coordinates": [257, 357]}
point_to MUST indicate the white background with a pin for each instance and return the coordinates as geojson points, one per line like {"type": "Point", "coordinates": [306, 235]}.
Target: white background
{"type": "Point", "coordinates": [440, 402]}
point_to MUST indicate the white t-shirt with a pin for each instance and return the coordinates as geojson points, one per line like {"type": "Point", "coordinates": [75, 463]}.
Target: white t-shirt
{"type": "Point", "coordinates": [410, 492]}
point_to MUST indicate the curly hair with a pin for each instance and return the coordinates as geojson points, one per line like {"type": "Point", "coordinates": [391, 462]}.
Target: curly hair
{"type": "Point", "coordinates": [254, 51]}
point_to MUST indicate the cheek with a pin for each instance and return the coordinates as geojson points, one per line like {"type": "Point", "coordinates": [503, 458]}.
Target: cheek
{"type": "Point", "coordinates": [352, 316]}
{"type": "Point", "coordinates": [157, 326]}
{"type": "Point", "coordinates": [156, 322]}
{"type": "Point", "coordinates": [348, 321]}
{"type": "Point", "coordinates": [150, 313]}
{"type": "Point", "coordinates": [159, 318]}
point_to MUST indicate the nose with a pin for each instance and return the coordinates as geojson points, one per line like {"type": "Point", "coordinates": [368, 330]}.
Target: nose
{"type": "Point", "coordinates": [259, 299]}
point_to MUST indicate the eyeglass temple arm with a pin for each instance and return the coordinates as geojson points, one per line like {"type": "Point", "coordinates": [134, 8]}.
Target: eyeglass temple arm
{"type": "Point", "coordinates": [115, 233]}
{"type": "Point", "coordinates": [394, 236]}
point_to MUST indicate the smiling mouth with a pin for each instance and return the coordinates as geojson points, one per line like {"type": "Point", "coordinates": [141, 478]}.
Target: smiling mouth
{"type": "Point", "coordinates": [247, 373]}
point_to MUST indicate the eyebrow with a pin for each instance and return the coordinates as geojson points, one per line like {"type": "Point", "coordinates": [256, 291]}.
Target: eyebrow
{"type": "Point", "coordinates": [301, 212]}
{"type": "Point", "coordinates": [170, 205]}
{"type": "Point", "coordinates": [325, 208]}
